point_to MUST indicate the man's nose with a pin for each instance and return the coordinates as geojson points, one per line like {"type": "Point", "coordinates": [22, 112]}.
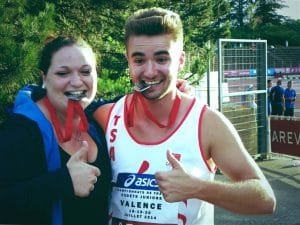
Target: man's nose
{"type": "Point", "coordinates": [150, 68]}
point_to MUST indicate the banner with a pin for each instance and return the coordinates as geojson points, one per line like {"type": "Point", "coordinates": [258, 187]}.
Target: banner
{"type": "Point", "coordinates": [285, 136]}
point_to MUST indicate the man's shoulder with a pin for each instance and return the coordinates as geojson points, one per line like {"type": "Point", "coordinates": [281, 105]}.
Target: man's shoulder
{"type": "Point", "coordinates": [274, 88]}
{"type": "Point", "coordinates": [279, 89]}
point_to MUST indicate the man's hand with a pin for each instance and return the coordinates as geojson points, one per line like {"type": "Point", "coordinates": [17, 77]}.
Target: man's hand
{"type": "Point", "coordinates": [175, 185]}
{"type": "Point", "coordinates": [83, 175]}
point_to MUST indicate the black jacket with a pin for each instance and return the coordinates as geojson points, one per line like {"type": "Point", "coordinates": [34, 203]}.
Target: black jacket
{"type": "Point", "coordinates": [28, 190]}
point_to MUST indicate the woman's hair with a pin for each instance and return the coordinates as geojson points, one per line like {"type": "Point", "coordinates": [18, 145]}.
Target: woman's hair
{"type": "Point", "coordinates": [154, 21]}
{"type": "Point", "coordinates": [54, 44]}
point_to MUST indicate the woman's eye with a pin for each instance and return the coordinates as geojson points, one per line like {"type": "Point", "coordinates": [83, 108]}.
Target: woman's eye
{"type": "Point", "coordinates": [61, 73]}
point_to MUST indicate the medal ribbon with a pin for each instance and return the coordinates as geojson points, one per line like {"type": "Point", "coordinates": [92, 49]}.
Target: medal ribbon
{"type": "Point", "coordinates": [73, 107]}
{"type": "Point", "coordinates": [172, 116]}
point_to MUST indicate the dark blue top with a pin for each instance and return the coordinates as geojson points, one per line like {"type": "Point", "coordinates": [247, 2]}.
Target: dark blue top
{"type": "Point", "coordinates": [28, 190]}
{"type": "Point", "coordinates": [276, 95]}
{"type": "Point", "coordinates": [290, 96]}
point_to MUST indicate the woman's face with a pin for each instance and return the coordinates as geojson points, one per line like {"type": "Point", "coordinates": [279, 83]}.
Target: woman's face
{"type": "Point", "coordinates": [72, 73]}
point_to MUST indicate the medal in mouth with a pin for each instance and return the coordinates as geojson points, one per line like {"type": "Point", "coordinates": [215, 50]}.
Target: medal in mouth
{"type": "Point", "coordinates": [64, 131]}
{"type": "Point", "coordinates": [75, 95]}
{"type": "Point", "coordinates": [143, 86]}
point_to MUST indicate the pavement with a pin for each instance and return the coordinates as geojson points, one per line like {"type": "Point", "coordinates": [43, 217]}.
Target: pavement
{"type": "Point", "coordinates": [283, 173]}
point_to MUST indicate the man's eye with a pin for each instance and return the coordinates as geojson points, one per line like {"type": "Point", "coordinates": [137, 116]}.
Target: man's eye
{"type": "Point", "coordinates": [86, 72]}
{"type": "Point", "coordinates": [138, 61]}
{"type": "Point", "coordinates": [162, 60]}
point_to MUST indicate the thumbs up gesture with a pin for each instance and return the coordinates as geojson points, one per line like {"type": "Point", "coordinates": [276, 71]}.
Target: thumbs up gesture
{"type": "Point", "coordinates": [176, 184]}
{"type": "Point", "coordinates": [83, 175]}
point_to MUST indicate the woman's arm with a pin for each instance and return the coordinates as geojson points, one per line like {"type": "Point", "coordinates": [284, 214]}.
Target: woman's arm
{"type": "Point", "coordinates": [25, 183]}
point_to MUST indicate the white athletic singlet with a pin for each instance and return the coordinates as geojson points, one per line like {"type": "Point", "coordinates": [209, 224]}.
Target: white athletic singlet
{"type": "Point", "coordinates": [136, 199]}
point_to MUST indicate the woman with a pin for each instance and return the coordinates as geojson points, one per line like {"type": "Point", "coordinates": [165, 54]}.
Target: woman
{"type": "Point", "coordinates": [50, 153]}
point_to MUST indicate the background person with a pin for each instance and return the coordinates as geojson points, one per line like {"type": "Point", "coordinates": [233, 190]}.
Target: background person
{"type": "Point", "coordinates": [289, 98]}
{"type": "Point", "coordinates": [269, 86]}
{"type": "Point", "coordinates": [277, 99]}
{"type": "Point", "coordinates": [248, 100]}
{"type": "Point", "coordinates": [50, 153]}
{"type": "Point", "coordinates": [165, 146]}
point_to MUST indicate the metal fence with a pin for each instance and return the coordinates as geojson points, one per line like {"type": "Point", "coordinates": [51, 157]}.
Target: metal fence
{"type": "Point", "coordinates": [242, 81]}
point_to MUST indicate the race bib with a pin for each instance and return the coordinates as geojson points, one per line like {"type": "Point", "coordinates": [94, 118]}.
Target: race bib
{"type": "Point", "coordinates": [136, 200]}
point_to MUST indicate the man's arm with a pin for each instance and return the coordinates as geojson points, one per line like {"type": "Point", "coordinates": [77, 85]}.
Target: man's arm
{"type": "Point", "coordinates": [247, 192]}
{"type": "Point", "coordinates": [101, 115]}
{"type": "Point", "coordinates": [283, 99]}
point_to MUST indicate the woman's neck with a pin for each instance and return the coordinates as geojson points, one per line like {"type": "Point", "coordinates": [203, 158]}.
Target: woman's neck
{"type": "Point", "coordinates": [65, 124]}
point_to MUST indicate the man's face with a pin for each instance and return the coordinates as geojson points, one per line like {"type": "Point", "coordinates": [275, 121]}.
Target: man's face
{"type": "Point", "coordinates": [269, 84]}
{"type": "Point", "coordinates": [156, 61]}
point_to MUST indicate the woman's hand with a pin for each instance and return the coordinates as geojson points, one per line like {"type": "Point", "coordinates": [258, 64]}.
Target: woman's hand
{"type": "Point", "coordinates": [83, 175]}
{"type": "Point", "coordinates": [184, 86]}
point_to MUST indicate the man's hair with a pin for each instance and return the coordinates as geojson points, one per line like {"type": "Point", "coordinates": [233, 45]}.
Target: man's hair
{"type": "Point", "coordinates": [279, 82]}
{"type": "Point", "coordinates": [154, 21]}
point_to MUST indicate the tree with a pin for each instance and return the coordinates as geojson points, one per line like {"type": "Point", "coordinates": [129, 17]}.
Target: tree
{"type": "Point", "coordinates": [221, 23]}
{"type": "Point", "coordinates": [265, 23]}
{"type": "Point", "coordinates": [23, 31]}
{"type": "Point", "coordinates": [241, 12]}
{"type": "Point", "coordinates": [265, 12]}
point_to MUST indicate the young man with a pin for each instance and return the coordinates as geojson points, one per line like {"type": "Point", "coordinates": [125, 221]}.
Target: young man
{"type": "Point", "coordinates": [277, 99]}
{"type": "Point", "coordinates": [165, 146]}
{"type": "Point", "coordinates": [269, 87]}
{"type": "Point", "coordinates": [289, 97]}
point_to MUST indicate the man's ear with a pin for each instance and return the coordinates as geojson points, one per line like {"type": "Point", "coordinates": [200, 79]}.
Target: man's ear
{"type": "Point", "coordinates": [181, 61]}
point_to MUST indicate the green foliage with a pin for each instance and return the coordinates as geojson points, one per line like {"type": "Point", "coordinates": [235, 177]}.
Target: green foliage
{"type": "Point", "coordinates": [275, 34]}
{"type": "Point", "coordinates": [197, 63]}
{"type": "Point", "coordinates": [265, 12]}
{"type": "Point", "coordinates": [26, 23]}
{"type": "Point", "coordinates": [102, 24]}
{"type": "Point", "coordinates": [263, 22]}
{"type": "Point", "coordinates": [240, 12]}
{"type": "Point", "coordinates": [255, 13]}
{"type": "Point", "coordinates": [202, 21]}
{"type": "Point", "coordinates": [22, 34]}
{"type": "Point", "coordinates": [109, 89]}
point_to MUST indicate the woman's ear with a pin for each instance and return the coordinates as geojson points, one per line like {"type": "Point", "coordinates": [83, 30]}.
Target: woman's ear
{"type": "Point", "coordinates": [43, 79]}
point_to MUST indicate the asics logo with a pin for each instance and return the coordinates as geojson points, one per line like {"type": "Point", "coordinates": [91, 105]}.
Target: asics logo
{"type": "Point", "coordinates": [132, 179]}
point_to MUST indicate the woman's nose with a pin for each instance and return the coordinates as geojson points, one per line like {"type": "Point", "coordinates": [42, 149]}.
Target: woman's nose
{"type": "Point", "coordinates": [76, 80]}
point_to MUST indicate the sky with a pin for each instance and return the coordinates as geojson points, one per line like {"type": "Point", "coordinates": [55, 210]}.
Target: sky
{"type": "Point", "coordinates": [293, 9]}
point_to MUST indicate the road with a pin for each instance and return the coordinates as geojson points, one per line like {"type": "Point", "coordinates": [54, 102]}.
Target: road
{"type": "Point", "coordinates": [283, 173]}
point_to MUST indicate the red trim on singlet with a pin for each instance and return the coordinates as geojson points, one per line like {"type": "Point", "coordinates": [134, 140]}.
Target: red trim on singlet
{"type": "Point", "coordinates": [200, 140]}
{"type": "Point", "coordinates": [125, 110]}
{"type": "Point", "coordinates": [182, 218]}
{"type": "Point", "coordinates": [164, 139]}
{"type": "Point", "coordinates": [108, 117]}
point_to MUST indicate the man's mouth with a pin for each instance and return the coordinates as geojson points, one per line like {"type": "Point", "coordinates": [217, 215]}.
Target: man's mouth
{"type": "Point", "coordinates": [144, 85]}
{"type": "Point", "coordinates": [75, 95]}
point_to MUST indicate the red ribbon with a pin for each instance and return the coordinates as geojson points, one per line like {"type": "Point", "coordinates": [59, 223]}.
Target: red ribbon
{"type": "Point", "coordinates": [73, 107]}
{"type": "Point", "coordinates": [172, 116]}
